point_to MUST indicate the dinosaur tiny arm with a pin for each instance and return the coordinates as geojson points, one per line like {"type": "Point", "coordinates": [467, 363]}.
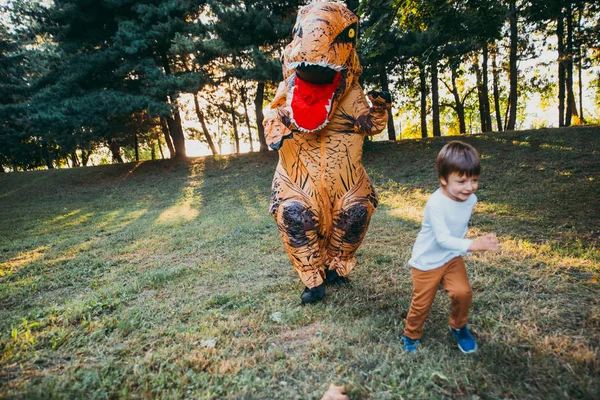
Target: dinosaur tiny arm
{"type": "Point", "coordinates": [372, 120]}
{"type": "Point", "coordinates": [277, 120]}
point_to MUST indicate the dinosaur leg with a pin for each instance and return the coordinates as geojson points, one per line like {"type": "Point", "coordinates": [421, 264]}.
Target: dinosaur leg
{"type": "Point", "coordinates": [351, 217]}
{"type": "Point", "coordinates": [299, 225]}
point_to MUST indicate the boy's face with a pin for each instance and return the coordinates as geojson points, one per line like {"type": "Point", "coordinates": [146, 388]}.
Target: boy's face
{"type": "Point", "coordinates": [459, 187]}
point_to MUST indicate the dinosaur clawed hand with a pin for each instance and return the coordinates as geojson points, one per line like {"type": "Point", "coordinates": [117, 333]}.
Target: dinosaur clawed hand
{"type": "Point", "coordinates": [380, 98]}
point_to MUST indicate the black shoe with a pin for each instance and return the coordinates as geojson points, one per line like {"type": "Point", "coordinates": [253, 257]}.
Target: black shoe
{"type": "Point", "coordinates": [312, 295]}
{"type": "Point", "coordinates": [333, 278]}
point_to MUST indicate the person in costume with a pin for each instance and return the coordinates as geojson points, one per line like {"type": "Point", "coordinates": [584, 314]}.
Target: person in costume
{"type": "Point", "coordinates": [322, 198]}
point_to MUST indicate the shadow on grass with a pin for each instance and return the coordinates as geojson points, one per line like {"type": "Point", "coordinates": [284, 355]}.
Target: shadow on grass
{"type": "Point", "coordinates": [83, 230]}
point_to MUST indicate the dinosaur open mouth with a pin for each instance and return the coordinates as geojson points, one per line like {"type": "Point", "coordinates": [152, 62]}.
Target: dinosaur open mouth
{"type": "Point", "coordinates": [314, 88]}
{"type": "Point", "coordinates": [317, 74]}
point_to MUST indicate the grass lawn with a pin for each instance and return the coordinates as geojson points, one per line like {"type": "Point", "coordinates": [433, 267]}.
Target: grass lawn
{"type": "Point", "coordinates": [169, 280]}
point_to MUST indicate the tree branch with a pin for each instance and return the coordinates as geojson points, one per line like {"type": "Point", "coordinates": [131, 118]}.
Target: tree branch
{"type": "Point", "coordinates": [467, 94]}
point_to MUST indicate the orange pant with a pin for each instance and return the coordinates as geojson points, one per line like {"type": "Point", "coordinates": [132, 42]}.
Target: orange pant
{"type": "Point", "coordinates": [453, 277]}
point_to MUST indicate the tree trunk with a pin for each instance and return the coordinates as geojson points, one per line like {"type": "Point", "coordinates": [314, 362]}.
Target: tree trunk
{"type": "Point", "coordinates": [115, 150]}
{"type": "Point", "coordinates": [423, 90]}
{"type": "Point", "coordinates": [243, 94]}
{"type": "Point", "coordinates": [258, 107]}
{"type": "Point", "coordinates": [385, 86]}
{"type": "Point", "coordinates": [571, 107]}
{"type": "Point", "coordinates": [496, 92]}
{"type": "Point", "coordinates": [176, 134]}
{"type": "Point", "coordinates": [201, 118]}
{"type": "Point", "coordinates": [460, 109]}
{"type": "Point", "coordinates": [178, 139]}
{"type": "Point", "coordinates": [85, 157]}
{"type": "Point", "coordinates": [160, 149]}
{"type": "Point", "coordinates": [47, 157]}
{"type": "Point", "coordinates": [478, 78]}
{"type": "Point", "coordinates": [435, 99]}
{"type": "Point", "coordinates": [581, 118]}
{"type": "Point", "coordinates": [220, 134]}
{"type": "Point", "coordinates": [74, 159]}
{"type": "Point", "coordinates": [236, 135]}
{"type": "Point", "coordinates": [167, 135]}
{"type": "Point", "coordinates": [136, 146]}
{"type": "Point", "coordinates": [174, 123]}
{"type": "Point", "coordinates": [512, 117]}
{"type": "Point", "coordinates": [561, 70]}
{"type": "Point", "coordinates": [485, 90]}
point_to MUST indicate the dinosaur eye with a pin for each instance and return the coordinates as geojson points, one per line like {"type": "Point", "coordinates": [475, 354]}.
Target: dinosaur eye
{"type": "Point", "coordinates": [348, 35]}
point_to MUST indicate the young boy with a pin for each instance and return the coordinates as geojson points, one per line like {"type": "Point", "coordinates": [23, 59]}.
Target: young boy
{"type": "Point", "coordinates": [437, 252]}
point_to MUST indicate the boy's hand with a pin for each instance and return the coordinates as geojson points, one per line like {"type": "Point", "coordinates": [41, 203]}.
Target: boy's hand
{"type": "Point", "coordinates": [485, 243]}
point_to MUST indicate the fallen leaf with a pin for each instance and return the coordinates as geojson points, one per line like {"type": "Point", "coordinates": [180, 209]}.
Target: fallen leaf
{"type": "Point", "coordinates": [335, 393]}
{"type": "Point", "coordinates": [208, 343]}
{"type": "Point", "coordinates": [276, 316]}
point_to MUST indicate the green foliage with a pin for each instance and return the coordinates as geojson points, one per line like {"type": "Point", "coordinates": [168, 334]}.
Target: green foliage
{"type": "Point", "coordinates": [250, 35]}
{"type": "Point", "coordinates": [117, 62]}
{"type": "Point", "coordinates": [18, 71]}
{"type": "Point", "coordinates": [75, 74]}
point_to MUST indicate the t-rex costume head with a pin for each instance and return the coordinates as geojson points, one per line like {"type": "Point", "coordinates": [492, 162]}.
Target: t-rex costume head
{"type": "Point", "coordinates": [322, 198]}
{"type": "Point", "coordinates": [323, 56]}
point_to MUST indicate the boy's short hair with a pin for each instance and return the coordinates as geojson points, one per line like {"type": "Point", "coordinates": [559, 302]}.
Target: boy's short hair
{"type": "Point", "coordinates": [459, 157]}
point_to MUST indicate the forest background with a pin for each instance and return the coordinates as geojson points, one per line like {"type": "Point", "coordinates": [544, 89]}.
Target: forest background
{"type": "Point", "coordinates": [157, 79]}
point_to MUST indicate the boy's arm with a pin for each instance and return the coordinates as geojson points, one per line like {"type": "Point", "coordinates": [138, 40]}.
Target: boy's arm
{"type": "Point", "coordinates": [485, 243]}
{"type": "Point", "coordinates": [443, 235]}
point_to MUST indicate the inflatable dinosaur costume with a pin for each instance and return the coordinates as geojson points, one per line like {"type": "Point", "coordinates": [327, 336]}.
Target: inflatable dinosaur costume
{"type": "Point", "coordinates": [322, 198]}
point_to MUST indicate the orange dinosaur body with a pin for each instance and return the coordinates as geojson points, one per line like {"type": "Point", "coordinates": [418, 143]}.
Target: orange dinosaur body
{"type": "Point", "coordinates": [322, 198]}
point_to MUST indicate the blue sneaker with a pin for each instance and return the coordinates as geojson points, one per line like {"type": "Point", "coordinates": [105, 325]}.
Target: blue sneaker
{"type": "Point", "coordinates": [466, 342]}
{"type": "Point", "coordinates": [410, 345]}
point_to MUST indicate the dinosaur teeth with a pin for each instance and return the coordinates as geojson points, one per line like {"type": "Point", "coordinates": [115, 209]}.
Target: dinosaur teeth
{"type": "Point", "coordinates": [323, 64]}
{"type": "Point", "coordinates": [328, 106]}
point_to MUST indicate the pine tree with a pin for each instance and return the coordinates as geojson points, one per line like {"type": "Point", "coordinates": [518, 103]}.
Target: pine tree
{"type": "Point", "coordinates": [249, 37]}
{"type": "Point", "coordinates": [21, 62]}
{"type": "Point", "coordinates": [120, 61]}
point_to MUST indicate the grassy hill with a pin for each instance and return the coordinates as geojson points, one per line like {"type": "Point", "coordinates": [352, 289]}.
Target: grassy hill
{"type": "Point", "coordinates": [169, 280]}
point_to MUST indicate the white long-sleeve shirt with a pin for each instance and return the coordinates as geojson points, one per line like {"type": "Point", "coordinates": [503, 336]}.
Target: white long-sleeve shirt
{"type": "Point", "coordinates": [442, 235]}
